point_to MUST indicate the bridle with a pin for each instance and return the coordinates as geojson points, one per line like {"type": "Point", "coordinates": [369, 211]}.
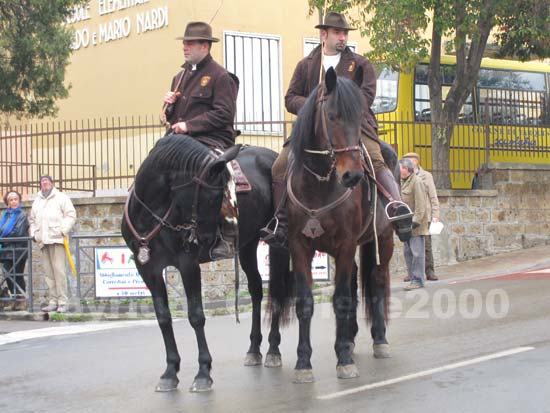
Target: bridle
{"type": "Point", "coordinates": [332, 152]}
{"type": "Point", "coordinates": [191, 226]}
{"type": "Point", "coordinates": [313, 228]}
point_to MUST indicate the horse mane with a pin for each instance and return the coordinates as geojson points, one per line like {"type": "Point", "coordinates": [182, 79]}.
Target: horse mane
{"type": "Point", "coordinates": [346, 97]}
{"type": "Point", "coordinates": [177, 153]}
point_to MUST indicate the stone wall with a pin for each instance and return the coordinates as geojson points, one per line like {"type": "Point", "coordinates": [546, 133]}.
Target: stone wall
{"type": "Point", "coordinates": [510, 212]}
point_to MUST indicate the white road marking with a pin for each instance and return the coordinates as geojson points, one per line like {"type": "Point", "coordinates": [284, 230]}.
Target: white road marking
{"type": "Point", "coordinates": [425, 373]}
{"type": "Point", "coordinates": [544, 270]}
{"type": "Point", "coordinates": [70, 329]}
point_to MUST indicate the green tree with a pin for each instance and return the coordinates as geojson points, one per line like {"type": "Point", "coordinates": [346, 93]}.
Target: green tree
{"type": "Point", "coordinates": [398, 33]}
{"type": "Point", "coordinates": [34, 52]}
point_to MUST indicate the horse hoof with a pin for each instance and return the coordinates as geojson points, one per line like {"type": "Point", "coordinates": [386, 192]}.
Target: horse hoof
{"type": "Point", "coordinates": [201, 385]}
{"type": "Point", "coordinates": [273, 360]}
{"type": "Point", "coordinates": [253, 359]}
{"type": "Point", "coordinates": [381, 351]}
{"type": "Point", "coordinates": [303, 376]}
{"type": "Point", "coordinates": [166, 385]}
{"type": "Point", "coordinates": [347, 372]}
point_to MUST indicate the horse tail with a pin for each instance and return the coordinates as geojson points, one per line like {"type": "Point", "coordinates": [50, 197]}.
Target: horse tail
{"type": "Point", "coordinates": [281, 286]}
{"type": "Point", "coordinates": [374, 277]}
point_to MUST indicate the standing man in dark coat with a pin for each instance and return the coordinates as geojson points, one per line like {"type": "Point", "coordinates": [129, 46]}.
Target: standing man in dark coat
{"type": "Point", "coordinates": [336, 54]}
{"type": "Point", "coordinates": [202, 99]}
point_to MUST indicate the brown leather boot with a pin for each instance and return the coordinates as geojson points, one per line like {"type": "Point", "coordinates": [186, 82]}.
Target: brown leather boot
{"type": "Point", "coordinates": [399, 213]}
{"type": "Point", "coordinates": [275, 232]}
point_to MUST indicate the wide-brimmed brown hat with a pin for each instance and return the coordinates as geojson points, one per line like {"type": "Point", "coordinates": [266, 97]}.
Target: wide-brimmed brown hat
{"type": "Point", "coordinates": [198, 31]}
{"type": "Point", "coordinates": [336, 21]}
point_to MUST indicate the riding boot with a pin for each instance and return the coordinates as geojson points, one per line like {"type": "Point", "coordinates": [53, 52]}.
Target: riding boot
{"type": "Point", "coordinates": [275, 232]}
{"type": "Point", "coordinates": [399, 213]}
{"type": "Point", "coordinates": [228, 232]}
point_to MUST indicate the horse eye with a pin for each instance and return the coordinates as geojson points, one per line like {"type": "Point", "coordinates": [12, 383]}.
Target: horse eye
{"type": "Point", "coordinates": [331, 117]}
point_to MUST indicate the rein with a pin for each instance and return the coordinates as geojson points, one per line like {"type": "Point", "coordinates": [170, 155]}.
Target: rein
{"type": "Point", "coordinates": [332, 152]}
{"type": "Point", "coordinates": [313, 227]}
{"type": "Point", "coordinates": [144, 253]}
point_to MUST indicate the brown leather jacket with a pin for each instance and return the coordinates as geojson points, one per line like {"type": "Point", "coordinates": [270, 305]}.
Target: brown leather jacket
{"type": "Point", "coordinates": [207, 103]}
{"type": "Point", "coordinates": [306, 78]}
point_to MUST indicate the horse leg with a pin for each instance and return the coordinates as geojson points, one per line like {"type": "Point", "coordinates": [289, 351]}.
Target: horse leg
{"type": "Point", "coordinates": [304, 312]}
{"type": "Point", "coordinates": [154, 281]}
{"type": "Point", "coordinates": [273, 356]}
{"type": "Point", "coordinates": [281, 290]}
{"type": "Point", "coordinates": [354, 327]}
{"type": "Point", "coordinates": [192, 283]}
{"type": "Point", "coordinates": [376, 289]}
{"type": "Point", "coordinates": [344, 308]}
{"type": "Point", "coordinates": [249, 263]}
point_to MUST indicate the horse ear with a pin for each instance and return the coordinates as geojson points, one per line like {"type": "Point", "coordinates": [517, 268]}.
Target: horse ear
{"type": "Point", "coordinates": [330, 80]}
{"type": "Point", "coordinates": [358, 76]}
{"type": "Point", "coordinates": [219, 164]}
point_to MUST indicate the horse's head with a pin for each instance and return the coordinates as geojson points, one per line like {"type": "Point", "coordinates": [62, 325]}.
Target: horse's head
{"type": "Point", "coordinates": [338, 122]}
{"type": "Point", "coordinates": [200, 198]}
{"type": "Point", "coordinates": [328, 130]}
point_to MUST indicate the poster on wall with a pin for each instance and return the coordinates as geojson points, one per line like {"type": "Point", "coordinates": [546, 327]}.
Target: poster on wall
{"type": "Point", "coordinates": [116, 274]}
{"type": "Point", "coordinates": [319, 264]}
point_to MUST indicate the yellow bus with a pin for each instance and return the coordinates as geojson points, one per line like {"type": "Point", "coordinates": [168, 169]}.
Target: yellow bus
{"type": "Point", "coordinates": [506, 117]}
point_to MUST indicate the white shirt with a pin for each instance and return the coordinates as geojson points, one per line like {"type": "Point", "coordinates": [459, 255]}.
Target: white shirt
{"type": "Point", "coordinates": [331, 61]}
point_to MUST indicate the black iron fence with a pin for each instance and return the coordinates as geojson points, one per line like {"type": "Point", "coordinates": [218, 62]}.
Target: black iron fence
{"type": "Point", "coordinates": [218, 289]}
{"type": "Point", "coordinates": [101, 156]}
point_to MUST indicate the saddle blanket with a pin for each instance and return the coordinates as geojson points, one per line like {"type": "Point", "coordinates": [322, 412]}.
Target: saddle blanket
{"type": "Point", "coordinates": [240, 179]}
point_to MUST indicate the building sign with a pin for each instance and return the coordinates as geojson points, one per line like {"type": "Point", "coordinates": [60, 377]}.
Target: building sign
{"type": "Point", "coordinates": [118, 26]}
{"type": "Point", "coordinates": [319, 264]}
{"type": "Point", "coordinates": [116, 274]}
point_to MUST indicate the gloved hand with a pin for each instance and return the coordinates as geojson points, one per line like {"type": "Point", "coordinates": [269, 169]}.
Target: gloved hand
{"type": "Point", "coordinates": [415, 224]}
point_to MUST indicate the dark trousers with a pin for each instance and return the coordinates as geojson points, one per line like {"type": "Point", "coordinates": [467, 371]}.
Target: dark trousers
{"type": "Point", "coordinates": [430, 271]}
{"type": "Point", "coordinates": [15, 274]}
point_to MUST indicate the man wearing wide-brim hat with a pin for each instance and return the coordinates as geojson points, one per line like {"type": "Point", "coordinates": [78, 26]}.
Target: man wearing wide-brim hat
{"type": "Point", "coordinates": [202, 98]}
{"type": "Point", "coordinates": [333, 52]}
{"type": "Point", "coordinates": [202, 103]}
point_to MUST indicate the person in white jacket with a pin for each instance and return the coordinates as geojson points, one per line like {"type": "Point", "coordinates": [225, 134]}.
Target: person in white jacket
{"type": "Point", "coordinates": [52, 217]}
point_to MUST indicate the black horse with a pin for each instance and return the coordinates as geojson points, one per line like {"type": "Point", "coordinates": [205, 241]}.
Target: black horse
{"type": "Point", "coordinates": [171, 218]}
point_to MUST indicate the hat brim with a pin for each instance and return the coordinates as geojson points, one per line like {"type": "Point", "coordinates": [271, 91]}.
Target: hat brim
{"type": "Point", "coordinates": [204, 39]}
{"type": "Point", "coordinates": [324, 27]}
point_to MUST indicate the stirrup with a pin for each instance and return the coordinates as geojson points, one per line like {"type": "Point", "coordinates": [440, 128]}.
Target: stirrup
{"type": "Point", "coordinates": [266, 233]}
{"type": "Point", "coordinates": [271, 236]}
{"type": "Point", "coordinates": [402, 211]}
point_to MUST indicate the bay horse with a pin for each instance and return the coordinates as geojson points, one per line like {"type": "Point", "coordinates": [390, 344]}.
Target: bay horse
{"type": "Point", "coordinates": [330, 209]}
{"type": "Point", "coordinates": [171, 218]}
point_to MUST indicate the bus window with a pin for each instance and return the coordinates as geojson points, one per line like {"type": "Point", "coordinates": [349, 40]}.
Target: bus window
{"type": "Point", "coordinates": [386, 91]}
{"type": "Point", "coordinates": [511, 79]}
{"type": "Point", "coordinates": [422, 94]}
{"type": "Point", "coordinates": [510, 97]}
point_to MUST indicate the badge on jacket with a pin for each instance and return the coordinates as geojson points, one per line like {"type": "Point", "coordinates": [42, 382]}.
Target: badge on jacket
{"type": "Point", "coordinates": [351, 67]}
{"type": "Point", "coordinates": [205, 80]}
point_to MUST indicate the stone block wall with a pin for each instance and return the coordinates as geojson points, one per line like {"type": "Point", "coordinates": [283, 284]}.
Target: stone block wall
{"type": "Point", "coordinates": [511, 211]}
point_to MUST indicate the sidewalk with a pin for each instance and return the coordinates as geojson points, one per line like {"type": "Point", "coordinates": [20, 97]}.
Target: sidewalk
{"type": "Point", "coordinates": [501, 264]}
{"type": "Point", "coordinates": [506, 263]}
